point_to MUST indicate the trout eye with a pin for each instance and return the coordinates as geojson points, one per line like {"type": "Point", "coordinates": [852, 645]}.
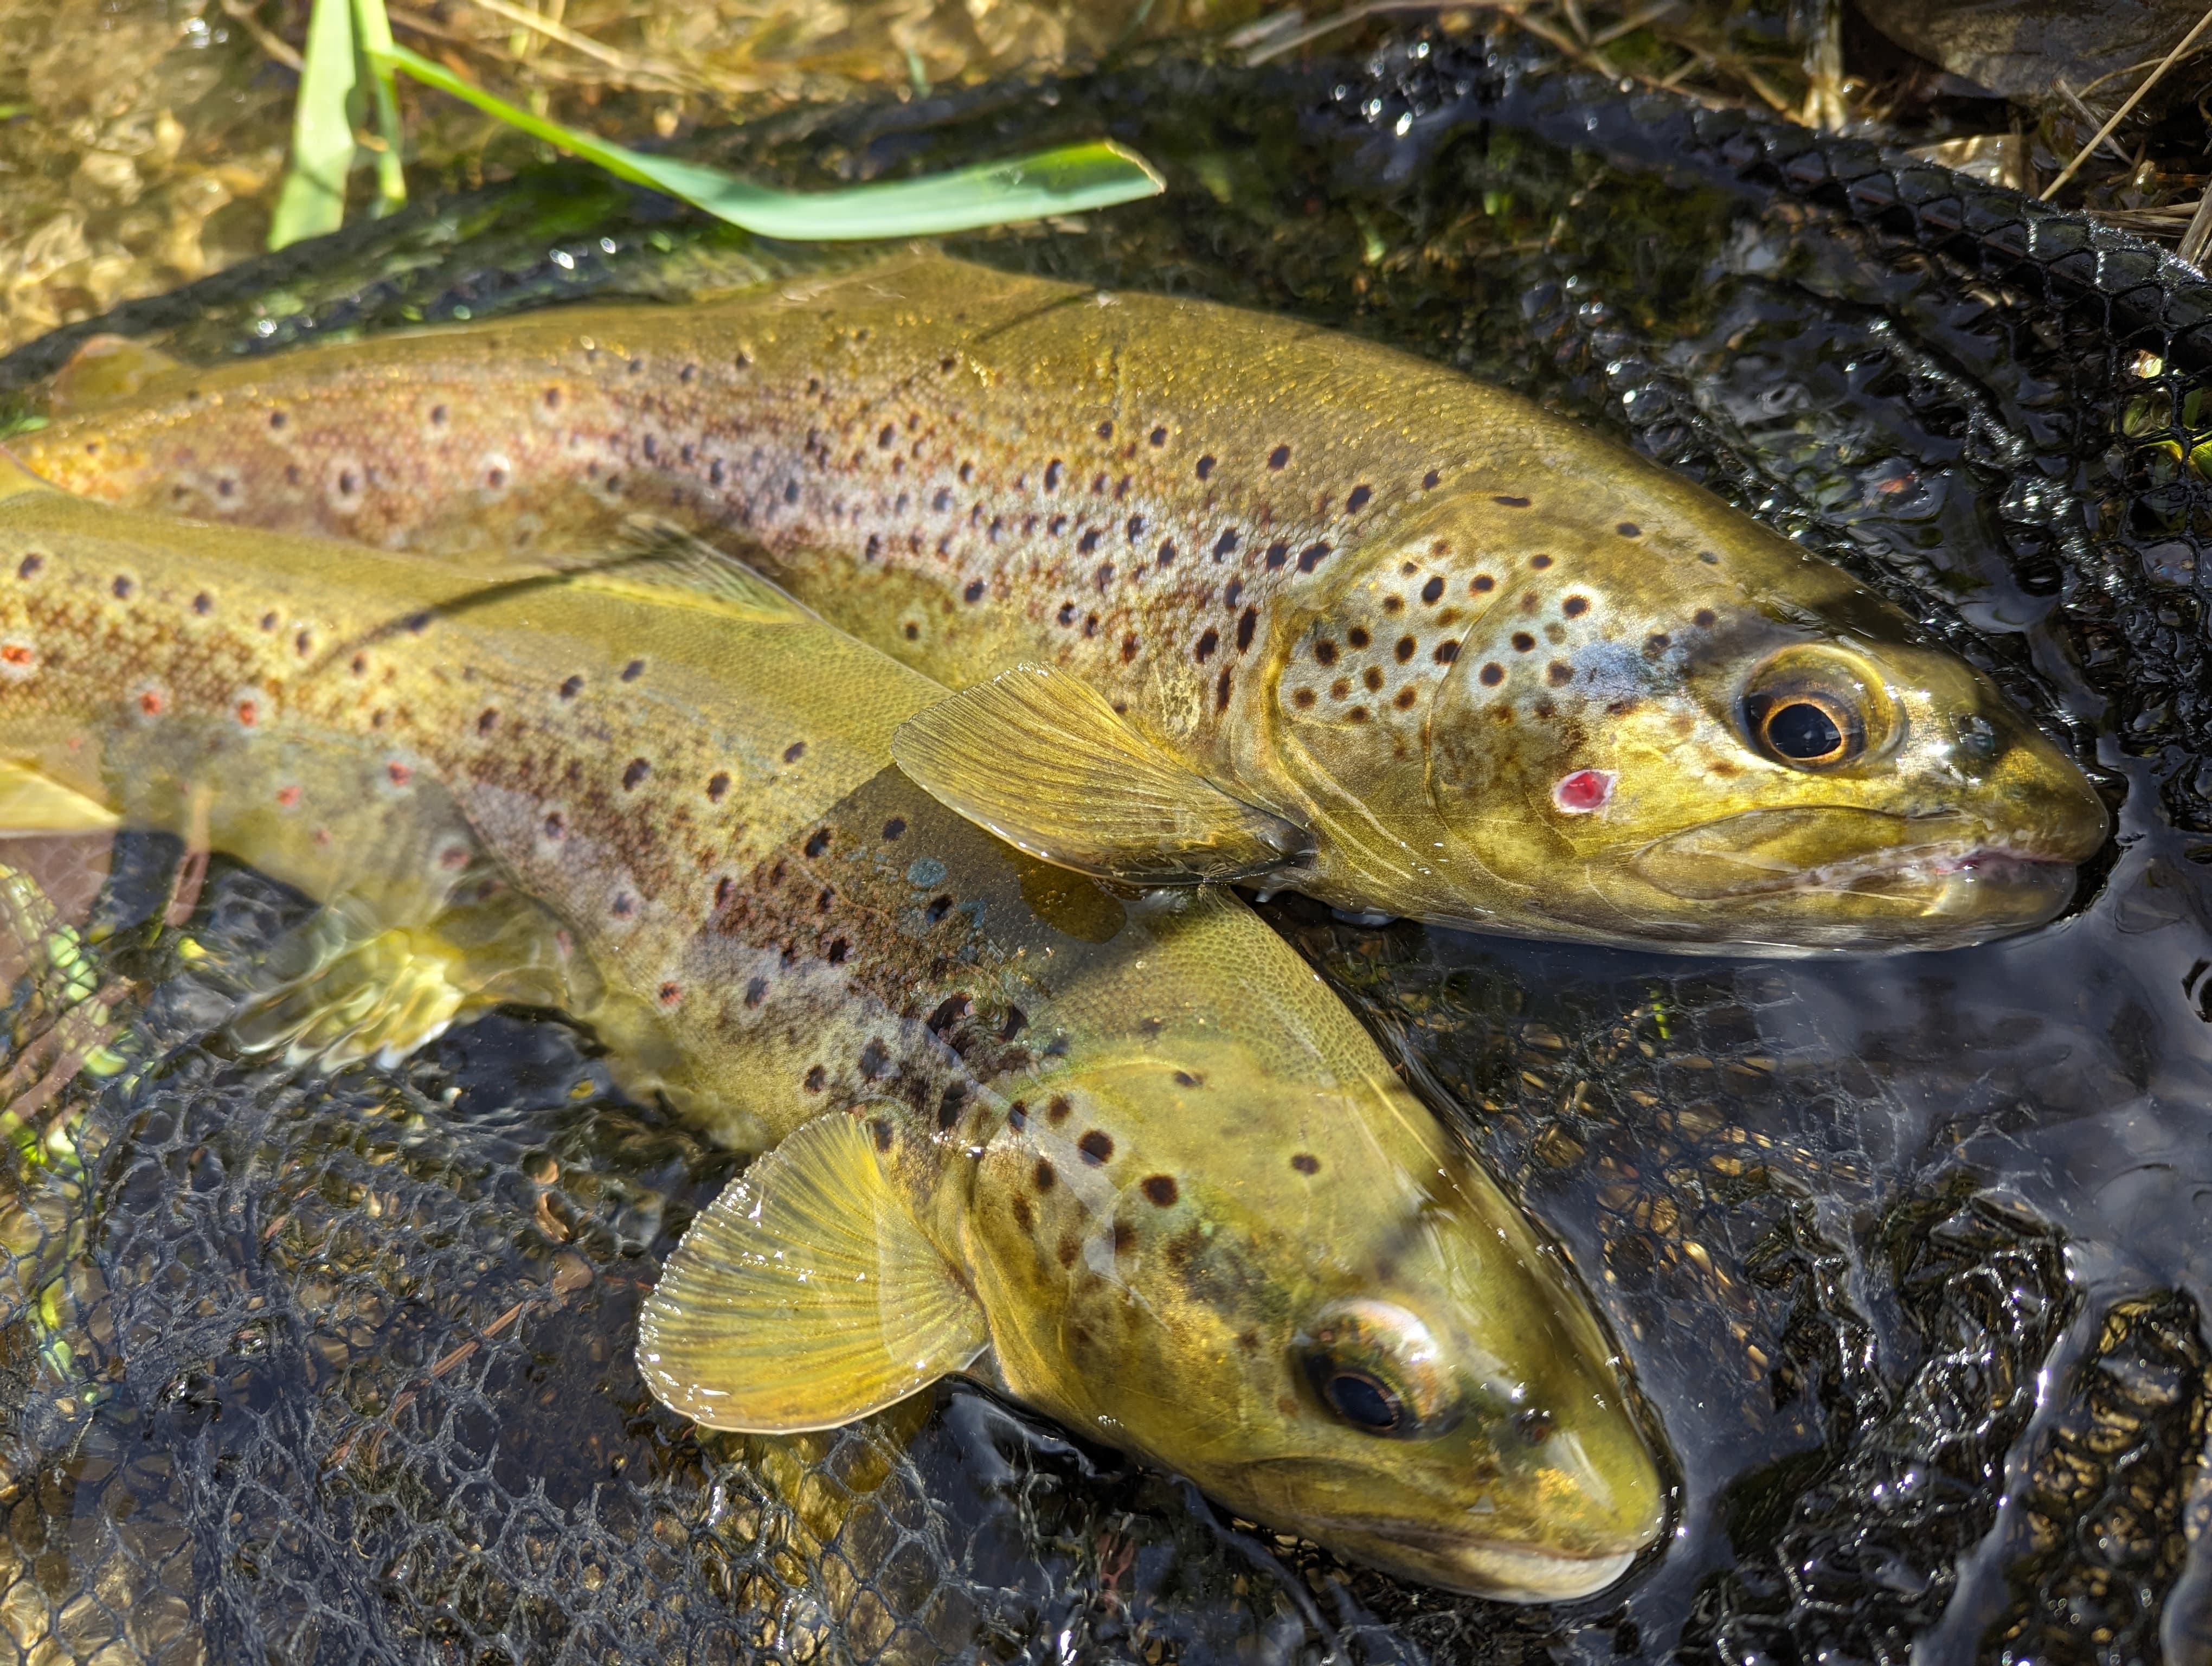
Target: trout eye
{"type": "Point", "coordinates": [1363, 1401]}
{"type": "Point", "coordinates": [1806, 731]}
{"type": "Point", "coordinates": [1375, 1367]}
{"type": "Point", "coordinates": [1815, 709]}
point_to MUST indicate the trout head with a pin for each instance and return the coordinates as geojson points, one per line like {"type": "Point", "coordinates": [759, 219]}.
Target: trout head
{"type": "Point", "coordinates": [1305, 1299]}
{"type": "Point", "coordinates": [1683, 732]}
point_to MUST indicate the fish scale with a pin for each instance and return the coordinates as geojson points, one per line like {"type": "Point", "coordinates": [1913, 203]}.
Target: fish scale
{"type": "Point", "coordinates": [1118, 1152]}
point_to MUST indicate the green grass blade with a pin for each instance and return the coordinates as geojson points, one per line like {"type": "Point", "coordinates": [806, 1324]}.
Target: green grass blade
{"type": "Point", "coordinates": [374, 30]}
{"type": "Point", "coordinates": [1068, 181]}
{"type": "Point", "coordinates": [313, 200]}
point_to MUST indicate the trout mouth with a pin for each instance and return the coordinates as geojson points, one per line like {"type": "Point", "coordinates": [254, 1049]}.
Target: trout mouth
{"type": "Point", "coordinates": [1502, 1571]}
{"type": "Point", "coordinates": [1780, 854]}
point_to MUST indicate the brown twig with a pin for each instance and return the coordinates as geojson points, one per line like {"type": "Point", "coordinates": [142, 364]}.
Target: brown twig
{"type": "Point", "coordinates": [2135, 98]}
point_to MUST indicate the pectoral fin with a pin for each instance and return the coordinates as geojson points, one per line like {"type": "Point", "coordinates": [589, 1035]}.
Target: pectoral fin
{"type": "Point", "coordinates": [661, 559]}
{"type": "Point", "coordinates": [1039, 758]}
{"type": "Point", "coordinates": [15, 479]}
{"type": "Point", "coordinates": [32, 805]}
{"type": "Point", "coordinates": [104, 371]}
{"type": "Point", "coordinates": [806, 1296]}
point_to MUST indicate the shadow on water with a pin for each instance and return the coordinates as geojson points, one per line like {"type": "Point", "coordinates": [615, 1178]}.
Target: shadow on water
{"type": "Point", "coordinates": [1909, 1255]}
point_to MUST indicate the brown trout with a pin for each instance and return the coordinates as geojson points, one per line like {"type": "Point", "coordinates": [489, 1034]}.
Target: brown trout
{"type": "Point", "coordinates": [1299, 609]}
{"type": "Point", "coordinates": [1121, 1153]}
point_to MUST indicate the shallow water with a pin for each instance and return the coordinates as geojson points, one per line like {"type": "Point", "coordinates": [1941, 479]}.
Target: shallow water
{"type": "Point", "coordinates": [1910, 1255]}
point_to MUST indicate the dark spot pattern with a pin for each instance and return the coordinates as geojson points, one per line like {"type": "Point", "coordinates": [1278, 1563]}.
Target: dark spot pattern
{"type": "Point", "coordinates": [1159, 1190]}
{"type": "Point", "coordinates": [1098, 1148]}
{"type": "Point", "coordinates": [1306, 1162]}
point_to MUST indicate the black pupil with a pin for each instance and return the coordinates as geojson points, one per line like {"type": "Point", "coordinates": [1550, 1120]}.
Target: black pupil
{"type": "Point", "coordinates": [1359, 1399]}
{"type": "Point", "coordinates": [1802, 731]}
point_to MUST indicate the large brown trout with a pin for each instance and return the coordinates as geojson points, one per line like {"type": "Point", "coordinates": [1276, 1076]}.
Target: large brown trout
{"type": "Point", "coordinates": [1297, 608]}
{"type": "Point", "coordinates": [1119, 1153]}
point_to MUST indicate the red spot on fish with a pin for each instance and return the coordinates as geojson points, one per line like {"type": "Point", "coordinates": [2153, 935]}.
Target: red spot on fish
{"type": "Point", "coordinates": [1585, 791]}
{"type": "Point", "coordinates": [17, 654]}
{"type": "Point", "coordinates": [249, 713]}
{"type": "Point", "coordinates": [152, 704]}
{"type": "Point", "coordinates": [400, 774]}
{"type": "Point", "coordinates": [288, 796]}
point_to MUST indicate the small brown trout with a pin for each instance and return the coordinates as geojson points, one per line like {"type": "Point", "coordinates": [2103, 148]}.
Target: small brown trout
{"type": "Point", "coordinates": [1120, 1154]}
{"type": "Point", "coordinates": [1299, 609]}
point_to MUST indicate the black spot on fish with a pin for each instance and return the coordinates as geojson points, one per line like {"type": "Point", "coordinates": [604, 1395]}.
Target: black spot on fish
{"type": "Point", "coordinates": [1393, 603]}
{"type": "Point", "coordinates": [1446, 652]}
{"type": "Point", "coordinates": [815, 1079]}
{"type": "Point", "coordinates": [1429, 481]}
{"type": "Point", "coordinates": [1558, 673]}
{"type": "Point", "coordinates": [1279, 457]}
{"type": "Point", "coordinates": [725, 888]}
{"type": "Point", "coordinates": [1356, 636]}
{"type": "Point", "coordinates": [795, 751]}
{"type": "Point", "coordinates": [1044, 1176]}
{"type": "Point", "coordinates": [1105, 430]}
{"type": "Point", "coordinates": [1056, 1111]}
{"type": "Point", "coordinates": [1303, 698]}
{"type": "Point", "coordinates": [1205, 466]}
{"type": "Point", "coordinates": [122, 588]}
{"type": "Point", "coordinates": [1511, 502]}
{"type": "Point", "coordinates": [1492, 674]}
{"type": "Point", "coordinates": [555, 825]}
{"type": "Point", "coordinates": [1125, 1237]}
{"type": "Point", "coordinates": [633, 671]}
{"type": "Point", "coordinates": [1522, 642]}
{"type": "Point", "coordinates": [1312, 557]}
{"type": "Point", "coordinates": [637, 771]}
{"type": "Point", "coordinates": [880, 1128]}
{"type": "Point", "coordinates": [875, 1061]}
{"type": "Point", "coordinates": [1221, 691]}
{"type": "Point", "coordinates": [1372, 676]}
{"type": "Point", "coordinates": [1278, 553]}
{"type": "Point", "coordinates": [895, 827]}
{"type": "Point", "coordinates": [1052, 473]}
{"type": "Point", "coordinates": [887, 437]}
{"type": "Point", "coordinates": [1160, 1188]}
{"type": "Point", "coordinates": [1432, 590]}
{"type": "Point", "coordinates": [818, 841]}
{"type": "Point", "coordinates": [1225, 544]}
{"type": "Point", "coordinates": [1306, 1162]}
{"type": "Point", "coordinates": [718, 784]}
{"type": "Point", "coordinates": [1357, 500]}
{"type": "Point", "coordinates": [1135, 527]}
{"type": "Point", "coordinates": [717, 473]}
{"type": "Point", "coordinates": [572, 687]}
{"type": "Point", "coordinates": [1541, 563]}
{"type": "Point", "coordinates": [487, 719]}
{"type": "Point", "coordinates": [1704, 618]}
{"type": "Point", "coordinates": [1088, 542]}
{"type": "Point", "coordinates": [941, 502]}
{"type": "Point", "coordinates": [1709, 558]}
{"type": "Point", "coordinates": [1575, 606]}
{"type": "Point", "coordinates": [1405, 649]}
{"type": "Point", "coordinates": [1128, 648]}
{"type": "Point", "coordinates": [1325, 652]}
{"type": "Point", "coordinates": [937, 909]}
{"type": "Point", "coordinates": [1483, 582]}
{"type": "Point", "coordinates": [1207, 644]}
{"type": "Point", "coordinates": [1247, 623]}
{"type": "Point", "coordinates": [1232, 593]}
{"type": "Point", "coordinates": [30, 566]}
{"type": "Point", "coordinates": [1167, 551]}
{"type": "Point", "coordinates": [974, 593]}
{"type": "Point", "coordinates": [1018, 1116]}
{"type": "Point", "coordinates": [1629, 529]}
{"type": "Point", "coordinates": [1160, 436]}
{"type": "Point", "coordinates": [755, 991]}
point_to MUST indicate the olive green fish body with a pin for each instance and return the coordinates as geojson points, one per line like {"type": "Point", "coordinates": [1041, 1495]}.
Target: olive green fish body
{"type": "Point", "coordinates": [1485, 664]}
{"type": "Point", "coordinates": [1121, 1153]}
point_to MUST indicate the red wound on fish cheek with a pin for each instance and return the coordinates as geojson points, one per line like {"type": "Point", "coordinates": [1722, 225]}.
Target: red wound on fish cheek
{"type": "Point", "coordinates": [1583, 793]}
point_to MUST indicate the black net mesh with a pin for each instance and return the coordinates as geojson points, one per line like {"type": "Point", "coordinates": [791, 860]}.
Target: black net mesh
{"type": "Point", "coordinates": [1909, 1255]}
